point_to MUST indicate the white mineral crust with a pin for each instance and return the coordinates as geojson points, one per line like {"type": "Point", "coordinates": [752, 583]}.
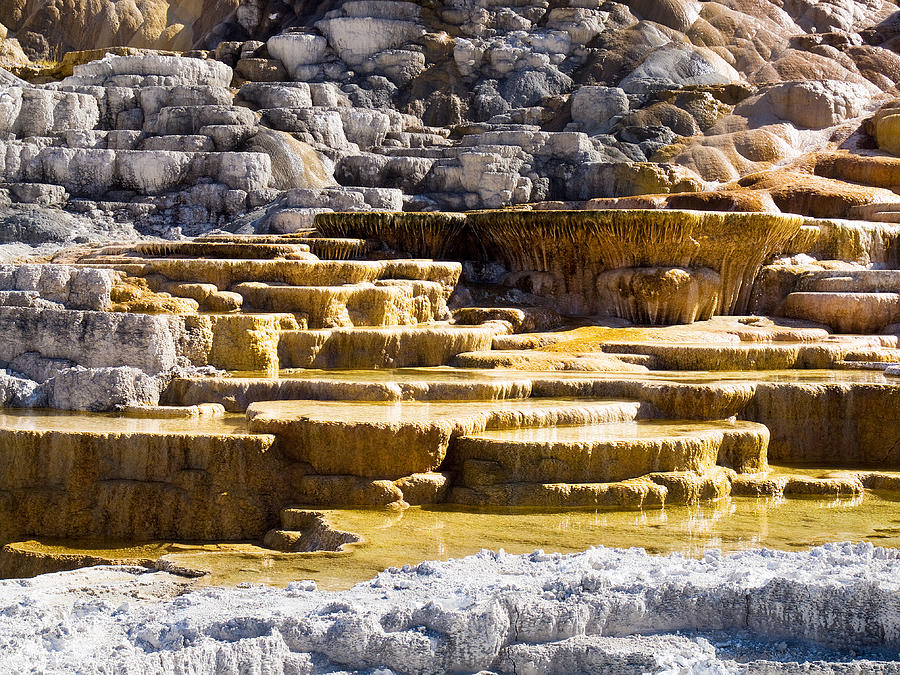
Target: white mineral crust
{"type": "Point", "coordinates": [604, 610]}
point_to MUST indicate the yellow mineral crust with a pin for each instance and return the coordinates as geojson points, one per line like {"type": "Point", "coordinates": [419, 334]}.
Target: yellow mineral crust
{"type": "Point", "coordinates": [392, 440]}
{"type": "Point", "coordinates": [430, 235]}
{"type": "Point", "coordinates": [137, 479]}
{"type": "Point", "coordinates": [575, 246]}
{"type": "Point", "coordinates": [607, 453]}
{"type": "Point", "coordinates": [223, 273]}
{"type": "Point", "coordinates": [133, 294]}
{"type": "Point", "coordinates": [241, 341]}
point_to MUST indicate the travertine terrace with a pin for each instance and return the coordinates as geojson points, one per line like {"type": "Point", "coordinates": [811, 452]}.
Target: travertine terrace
{"type": "Point", "coordinates": [265, 267]}
{"type": "Point", "coordinates": [219, 356]}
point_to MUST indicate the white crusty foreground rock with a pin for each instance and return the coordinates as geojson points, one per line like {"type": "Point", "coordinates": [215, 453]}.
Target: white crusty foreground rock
{"type": "Point", "coordinates": [605, 610]}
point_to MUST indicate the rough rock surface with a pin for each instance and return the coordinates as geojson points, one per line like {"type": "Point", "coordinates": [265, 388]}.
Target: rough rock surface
{"type": "Point", "coordinates": [604, 610]}
{"type": "Point", "coordinates": [458, 105]}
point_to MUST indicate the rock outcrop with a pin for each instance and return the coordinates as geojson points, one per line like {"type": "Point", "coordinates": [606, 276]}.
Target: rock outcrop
{"type": "Point", "coordinates": [465, 107]}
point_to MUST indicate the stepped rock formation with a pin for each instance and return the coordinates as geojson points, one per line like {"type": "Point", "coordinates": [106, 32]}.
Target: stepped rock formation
{"type": "Point", "coordinates": [400, 260]}
{"type": "Point", "coordinates": [572, 254]}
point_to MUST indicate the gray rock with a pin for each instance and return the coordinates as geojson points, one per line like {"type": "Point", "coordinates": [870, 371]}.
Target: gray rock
{"type": "Point", "coordinates": [383, 199]}
{"type": "Point", "coordinates": [295, 50]}
{"type": "Point", "coordinates": [281, 95]}
{"type": "Point", "coordinates": [327, 95]}
{"type": "Point", "coordinates": [319, 126]}
{"type": "Point", "coordinates": [19, 392]}
{"type": "Point", "coordinates": [671, 67]}
{"type": "Point", "coordinates": [594, 107]}
{"type": "Point", "coordinates": [38, 193]}
{"type": "Point", "coordinates": [229, 137]}
{"type": "Point", "coordinates": [81, 171]}
{"type": "Point", "coordinates": [261, 70]}
{"type": "Point", "coordinates": [364, 169]}
{"type": "Point", "coordinates": [93, 339]}
{"type": "Point", "coordinates": [186, 143]}
{"type": "Point", "coordinates": [37, 367]}
{"type": "Point", "coordinates": [340, 199]}
{"type": "Point", "coordinates": [529, 87]}
{"type": "Point", "coordinates": [101, 389]}
{"type": "Point", "coordinates": [34, 225]}
{"type": "Point", "coordinates": [25, 299]}
{"type": "Point", "coordinates": [487, 102]}
{"type": "Point", "coordinates": [151, 172]}
{"type": "Point", "coordinates": [817, 105]}
{"type": "Point", "coordinates": [72, 287]}
{"type": "Point", "coordinates": [32, 111]}
{"type": "Point", "coordinates": [367, 128]}
{"type": "Point", "coordinates": [153, 99]}
{"type": "Point", "coordinates": [190, 119]}
{"type": "Point", "coordinates": [8, 79]}
{"type": "Point", "coordinates": [285, 221]}
{"type": "Point", "coordinates": [147, 68]}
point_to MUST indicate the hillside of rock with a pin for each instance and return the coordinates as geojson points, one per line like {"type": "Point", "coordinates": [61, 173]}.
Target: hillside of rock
{"type": "Point", "coordinates": [445, 105]}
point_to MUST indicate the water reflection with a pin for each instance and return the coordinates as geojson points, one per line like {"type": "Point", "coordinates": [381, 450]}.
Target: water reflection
{"type": "Point", "coordinates": [393, 539]}
{"type": "Point", "coordinates": [105, 423]}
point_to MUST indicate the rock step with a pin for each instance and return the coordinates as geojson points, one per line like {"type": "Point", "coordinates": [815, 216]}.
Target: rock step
{"type": "Point", "coordinates": [835, 483]}
{"type": "Point", "coordinates": [92, 172]}
{"type": "Point", "coordinates": [314, 530]}
{"type": "Point", "coordinates": [604, 453]}
{"type": "Point", "coordinates": [548, 361]}
{"type": "Point", "coordinates": [131, 258]}
{"type": "Point", "coordinates": [191, 119]}
{"type": "Point", "coordinates": [739, 357]}
{"type": "Point", "coordinates": [853, 313]}
{"type": "Point", "coordinates": [888, 212]}
{"type": "Point", "coordinates": [236, 393]}
{"type": "Point", "coordinates": [178, 142]}
{"type": "Point", "coordinates": [851, 281]}
{"type": "Point", "coordinates": [385, 440]}
{"type": "Point", "coordinates": [208, 297]}
{"type": "Point", "coordinates": [334, 248]}
{"type": "Point", "coordinates": [873, 354]}
{"type": "Point", "coordinates": [224, 273]}
{"type": "Point", "coordinates": [650, 491]}
{"type": "Point", "coordinates": [257, 238]}
{"type": "Point", "coordinates": [138, 479]}
{"type": "Point", "coordinates": [233, 250]}
{"type": "Point", "coordinates": [392, 347]}
{"type": "Point", "coordinates": [430, 152]}
{"type": "Point", "coordinates": [382, 303]}
{"type": "Point", "coordinates": [865, 365]}
{"type": "Point", "coordinates": [415, 139]}
{"type": "Point", "coordinates": [342, 490]}
{"type": "Point", "coordinates": [324, 248]}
